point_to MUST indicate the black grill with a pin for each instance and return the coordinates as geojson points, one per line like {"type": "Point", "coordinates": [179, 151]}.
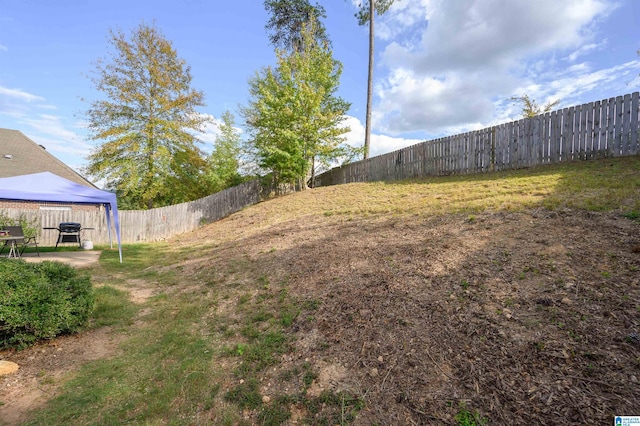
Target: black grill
{"type": "Point", "coordinates": [69, 227]}
{"type": "Point", "coordinates": [69, 232]}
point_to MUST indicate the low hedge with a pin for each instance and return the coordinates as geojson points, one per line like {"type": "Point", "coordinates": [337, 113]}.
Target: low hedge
{"type": "Point", "coordinates": [41, 300]}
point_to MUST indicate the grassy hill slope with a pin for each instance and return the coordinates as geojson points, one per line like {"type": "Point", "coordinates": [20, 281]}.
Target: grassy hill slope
{"type": "Point", "coordinates": [507, 298]}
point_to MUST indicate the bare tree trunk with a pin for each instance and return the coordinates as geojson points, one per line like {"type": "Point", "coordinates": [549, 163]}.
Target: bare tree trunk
{"type": "Point", "coordinates": [367, 131]}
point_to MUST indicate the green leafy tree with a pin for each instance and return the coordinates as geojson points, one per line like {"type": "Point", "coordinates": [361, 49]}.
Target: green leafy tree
{"type": "Point", "coordinates": [294, 115]}
{"type": "Point", "coordinates": [365, 16]}
{"type": "Point", "coordinates": [224, 161]}
{"type": "Point", "coordinates": [275, 145]}
{"type": "Point", "coordinates": [145, 121]}
{"type": "Point", "coordinates": [287, 20]}
{"type": "Point", "coordinates": [530, 107]}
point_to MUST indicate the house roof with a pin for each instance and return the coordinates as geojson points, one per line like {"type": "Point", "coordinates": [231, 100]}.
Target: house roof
{"type": "Point", "coordinates": [19, 156]}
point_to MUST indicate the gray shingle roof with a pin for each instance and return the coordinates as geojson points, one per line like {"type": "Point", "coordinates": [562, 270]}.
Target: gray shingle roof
{"type": "Point", "coordinates": [19, 155]}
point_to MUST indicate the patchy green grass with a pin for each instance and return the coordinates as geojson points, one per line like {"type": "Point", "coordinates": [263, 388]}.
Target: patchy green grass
{"type": "Point", "coordinates": [602, 185]}
{"type": "Point", "coordinates": [112, 308]}
{"type": "Point", "coordinates": [164, 373]}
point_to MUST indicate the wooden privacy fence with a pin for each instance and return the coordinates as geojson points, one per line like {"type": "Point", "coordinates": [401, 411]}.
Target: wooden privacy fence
{"type": "Point", "coordinates": [607, 128]}
{"type": "Point", "coordinates": [145, 225]}
{"type": "Point", "coordinates": [165, 222]}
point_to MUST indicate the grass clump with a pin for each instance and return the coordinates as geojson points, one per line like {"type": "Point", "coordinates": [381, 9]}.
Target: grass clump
{"type": "Point", "coordinates": [41, 301]}
{"type": "Point", "coordinates": [245, 395]}
{"type": "Point", "coordinates": [633, 215]}
{"type": "Point", "coordinates": [465, 417]}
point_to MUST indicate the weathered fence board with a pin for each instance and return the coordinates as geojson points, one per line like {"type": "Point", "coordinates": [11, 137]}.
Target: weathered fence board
{"type": "Point", "coordinates": [626, 125]}
{"type": "Point", "coordinates": [596, 130]}
{"type": "Point", "coordinates": [635, 131]}
{"type": "Point", "coordinates": [618, 127]}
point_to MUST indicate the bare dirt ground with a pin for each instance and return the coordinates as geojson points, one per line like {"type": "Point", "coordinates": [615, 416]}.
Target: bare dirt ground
{"type": "Point", "coordinates": [519, 317]}
{"type": "Point", "coordinates": [44, 366]}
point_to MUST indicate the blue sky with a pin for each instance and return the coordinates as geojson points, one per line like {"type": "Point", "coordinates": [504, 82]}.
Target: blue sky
{"type": "Point", "coordinates": [442, 66]}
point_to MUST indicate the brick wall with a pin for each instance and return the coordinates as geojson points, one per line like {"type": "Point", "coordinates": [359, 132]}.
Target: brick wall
{"type": "Point", "coordinates": [32, 205]}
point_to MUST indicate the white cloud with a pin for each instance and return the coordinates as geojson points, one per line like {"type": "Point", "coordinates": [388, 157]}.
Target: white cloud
{"type": "Point", "coordinates": [452, 64]}
{"type": "Point", "coordinates": [47, 106]}
{"type": "Point", "coordinates": [380, 143]}
{"type": "Point", "coordinates": [470, 34]}
{"type": "Point", "coordinates": [459, 105]}
{"type": "Point", "coordinates": [402, 15]}
{"type": "Point", "coordinates": [212, 131]}
{"type": "Point", "coordinates": [3, 48]}
{"type": "Point", "coordinates": [583, 50]}
{"type": "Point", "coordinates": [49, 131]}
{"type": "Point", "coordinates": [355, 137]}
{"type": "Point", "coordinates": [25, 112]}
{"type": "Point", "coordinates": [410, 102]}
{"type": "Point", "coordinates": [18, 94]}
{"type": "Point", "coordinates": [569, 87]}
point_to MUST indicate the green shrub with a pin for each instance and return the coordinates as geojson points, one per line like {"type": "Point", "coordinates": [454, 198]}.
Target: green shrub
{"type": "Point", "coordinates": [40, 301]}
{"type": "Point", "coordinates": [30, 227]}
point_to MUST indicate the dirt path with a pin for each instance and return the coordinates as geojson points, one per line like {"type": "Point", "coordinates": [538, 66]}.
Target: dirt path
{"type": "Point", "coordinates": [44, 367]}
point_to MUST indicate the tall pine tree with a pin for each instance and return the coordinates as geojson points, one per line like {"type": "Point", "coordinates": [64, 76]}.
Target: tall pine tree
{"type": "Point", "coordinates": [287, 20]}
{"type": "Point", "coordinates": [365, 16]}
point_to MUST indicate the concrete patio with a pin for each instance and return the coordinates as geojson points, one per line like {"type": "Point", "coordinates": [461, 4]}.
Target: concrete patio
{"type": "Point", "coordinates": [79, 259]}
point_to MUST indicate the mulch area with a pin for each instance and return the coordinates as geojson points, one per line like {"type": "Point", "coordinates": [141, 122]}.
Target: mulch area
{"type": "Point", "coordinates": [517, 317]}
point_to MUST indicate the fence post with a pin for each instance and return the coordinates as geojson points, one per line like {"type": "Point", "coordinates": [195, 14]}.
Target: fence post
{"type": "Point", "coordinates": [635, 129]}
{"type": "Point", "coordinates": [493, 149]}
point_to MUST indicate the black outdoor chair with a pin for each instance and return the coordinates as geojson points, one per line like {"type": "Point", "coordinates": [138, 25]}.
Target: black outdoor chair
{"type": "Point", "coordinates": [23, 243]}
